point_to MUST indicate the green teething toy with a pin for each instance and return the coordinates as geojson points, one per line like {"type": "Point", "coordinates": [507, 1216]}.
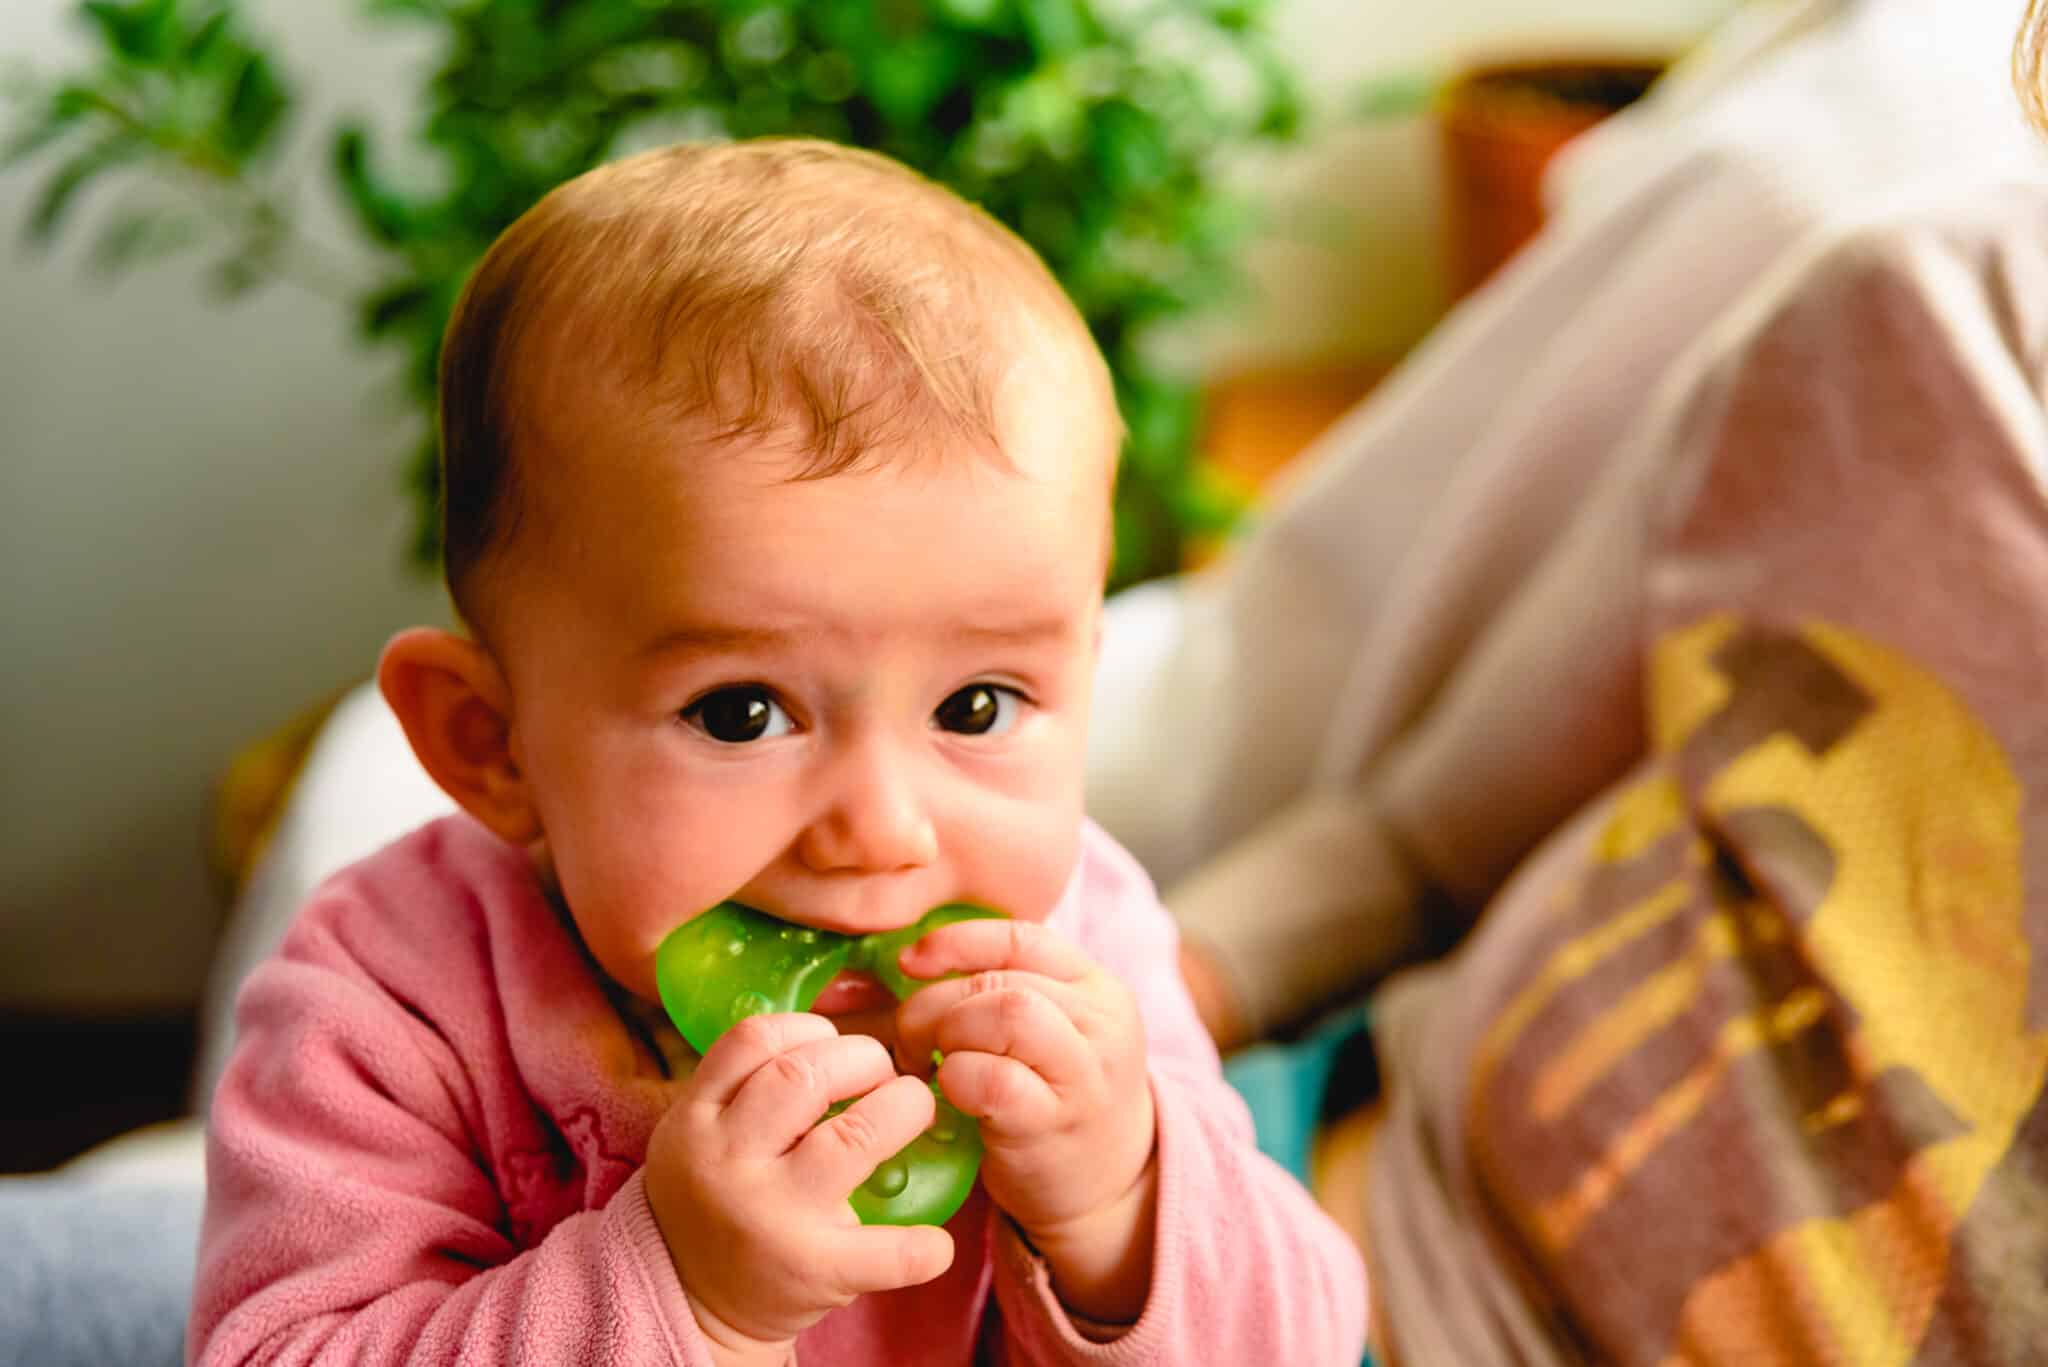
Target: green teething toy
{"type": "Point", "coordinates": [732, 962]}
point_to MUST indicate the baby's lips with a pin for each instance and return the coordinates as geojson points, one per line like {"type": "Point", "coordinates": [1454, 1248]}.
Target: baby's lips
{"type": "Point", "coordinates": [852, 990]}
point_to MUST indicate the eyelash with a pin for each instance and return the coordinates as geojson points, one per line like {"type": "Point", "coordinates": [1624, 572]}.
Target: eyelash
{"type": "Point", "coordinates": [692, 714]}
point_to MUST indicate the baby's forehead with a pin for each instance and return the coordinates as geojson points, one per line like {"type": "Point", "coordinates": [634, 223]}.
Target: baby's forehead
{"type": "Point", "coordinates": [612, 440]}
{"type": "Point", "coordinates": [624, 521]}
{"type": "Point", "coordinates": [730, 527]}
{"type": "Point", "coordinates": [780, 399]}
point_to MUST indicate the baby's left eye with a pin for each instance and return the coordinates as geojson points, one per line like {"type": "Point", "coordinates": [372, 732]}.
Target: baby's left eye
{"type": "Point", "coordinates": [979, 710]}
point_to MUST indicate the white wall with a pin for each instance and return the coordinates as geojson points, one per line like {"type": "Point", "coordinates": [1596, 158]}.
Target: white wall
{"type": "Point", "coordinates": [200, 529]}
{"type": "Point", "coordinates": [200, 534]}
{"type": "Point", "coordinates": [1351, 263]}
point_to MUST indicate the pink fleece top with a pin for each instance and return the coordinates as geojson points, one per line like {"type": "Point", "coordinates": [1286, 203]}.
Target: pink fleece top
{"type": "Point", "coordinates": [427, 1149]}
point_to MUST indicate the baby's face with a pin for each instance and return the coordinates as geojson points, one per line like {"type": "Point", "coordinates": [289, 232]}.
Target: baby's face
{"type": "Point", "coordinates": [842, 701]}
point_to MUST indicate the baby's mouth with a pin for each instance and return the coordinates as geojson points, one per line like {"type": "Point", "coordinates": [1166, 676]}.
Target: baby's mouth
{"type": "Point", "coordinates": [851, 991]}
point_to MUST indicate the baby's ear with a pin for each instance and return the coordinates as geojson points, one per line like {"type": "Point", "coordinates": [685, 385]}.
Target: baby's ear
{"type": "Point", "coordinates": [455, 706]}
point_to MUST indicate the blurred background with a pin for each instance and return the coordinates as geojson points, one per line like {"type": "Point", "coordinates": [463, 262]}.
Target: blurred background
{"type": "Point", "coordinates": [231, 232]}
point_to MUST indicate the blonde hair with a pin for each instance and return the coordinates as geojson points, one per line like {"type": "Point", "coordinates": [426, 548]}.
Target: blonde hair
{"type": "Point", "coordinates": [764, 285]}
{"type": "Point", "coordinates": [2030, 64]}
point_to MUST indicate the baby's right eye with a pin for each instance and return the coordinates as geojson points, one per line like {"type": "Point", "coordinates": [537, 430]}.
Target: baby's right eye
{"type": "Point", "coordinates": [735, 716]}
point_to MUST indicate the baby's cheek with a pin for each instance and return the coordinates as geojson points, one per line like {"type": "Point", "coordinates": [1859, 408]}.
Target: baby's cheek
{"type": "Point", "coordinates": [625, 898]}
{"type": "Point", "coordinates": [1030, 865]}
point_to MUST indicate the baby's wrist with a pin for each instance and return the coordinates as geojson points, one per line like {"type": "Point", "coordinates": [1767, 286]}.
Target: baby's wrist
{"type": "Point", "coordinates": [1101, 1262]}
{"type": "Point", "coordinates": [733, 1347]}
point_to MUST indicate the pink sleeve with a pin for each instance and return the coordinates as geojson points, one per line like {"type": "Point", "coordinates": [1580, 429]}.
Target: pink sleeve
{"type": "Point", "coordinates": [1246, 1267]}
{"type": "Point", "coordinates": [350, 1217]}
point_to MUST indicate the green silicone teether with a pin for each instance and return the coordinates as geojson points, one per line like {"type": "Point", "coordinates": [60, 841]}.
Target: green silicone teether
{"type": "Point", "coordinates": [732, 962]}
{"type": "Point", "coordinates": [878, 953]}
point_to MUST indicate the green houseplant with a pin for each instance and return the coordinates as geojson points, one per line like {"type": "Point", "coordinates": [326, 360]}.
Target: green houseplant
{"type": "Point", "coordinates": [1092, 127]}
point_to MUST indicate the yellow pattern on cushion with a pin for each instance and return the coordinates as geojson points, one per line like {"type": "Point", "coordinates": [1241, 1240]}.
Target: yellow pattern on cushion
{"type": "Point", "coordinates": [1921, 932]}
{"type": "Point", "coordinates": [1830, 799]}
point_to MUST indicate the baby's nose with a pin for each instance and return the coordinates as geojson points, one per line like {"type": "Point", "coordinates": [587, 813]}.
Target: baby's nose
{"type": "Point", "coordinates": [873, 819]}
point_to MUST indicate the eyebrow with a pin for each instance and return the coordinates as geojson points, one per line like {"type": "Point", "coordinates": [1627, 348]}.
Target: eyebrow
{"type": "Point", "coordinates": [715, 637]}
{"type": "Point", "coordinates": [709, 638]}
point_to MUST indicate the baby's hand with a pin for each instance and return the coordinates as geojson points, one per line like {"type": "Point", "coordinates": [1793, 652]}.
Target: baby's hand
{"type": "Point", "coordinates": [749, 1189]}
{"type": "Point", "coordinates": [1048, 1051]}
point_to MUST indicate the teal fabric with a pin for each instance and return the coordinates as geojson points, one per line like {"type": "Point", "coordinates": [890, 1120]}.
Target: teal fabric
{"type": "Point", "coordinates": [1284, 1086]}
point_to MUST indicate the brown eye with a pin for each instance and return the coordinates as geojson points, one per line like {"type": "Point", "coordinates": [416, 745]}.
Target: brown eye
{"type": "Point", "coordinates": [978, 710]}
{"type": "Point", "coordinates": [736, 716]}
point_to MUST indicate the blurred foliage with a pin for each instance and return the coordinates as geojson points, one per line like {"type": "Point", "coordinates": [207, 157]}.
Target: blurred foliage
{"type": "Point", "coordinates": [1095, 128]}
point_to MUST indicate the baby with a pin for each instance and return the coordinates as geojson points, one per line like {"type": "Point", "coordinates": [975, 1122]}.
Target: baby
{"type": "Point", "coordinates": [777, 507]}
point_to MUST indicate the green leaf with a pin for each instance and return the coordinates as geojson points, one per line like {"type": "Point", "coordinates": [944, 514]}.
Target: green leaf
{"type": "Point", "coordinates": [134, 236]}
{"type": "Point", "coordinates": [62, 113]}
{"type": "Point", "coordinates": [34, 137]}
{"type": "Point", "coordinates": [1131, 149]}
{"type": "Point", "coordinates": [667, 69]}
{"type": "Point", "coordinates": [255, 108]}
{"type": "Point", "coordinates": [986, 16]}
{"type": "Point", "coordinates": [907, 79]}
{"type": "Point", "coordinates": [1285, 103]}
{"type": "Point", "coordinates": [380, 212]}
{"type": "Point", "coordinates": [759, 36]}
{"type": "Point", "coordinates": [61, 191]}
{"type": "Point", "coordinates": [143, 32]}
{"type": "Point", "coordinates": [1235, 16]}
{"type": "Point", "coordinates": [853, 29]}
{"type": "Point", "coordinates": [394, 306]}
{"type": "Point", "coordinates": [1161, 416]}
{"type": "Point", "coordinates": [405, 9]}
{"type": "Point", "coordinates": [75, 101]}
{"type": "Point", "coordinates": [589, 27]}
{"type": "Point", "coordinates": [1044, 109]}
{"type": "Point", "coordinates": [208, 39]}
{"type": "Point", "coordinates": [1055, 27]}
{"type": "Point", "coordinates": [1148, 543]}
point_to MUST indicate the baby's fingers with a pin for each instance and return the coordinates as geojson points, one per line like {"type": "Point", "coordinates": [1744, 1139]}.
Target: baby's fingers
{"type": "Point", "coordinates": [843, 1151]}
{"type": "Point", "coordinates": [1006, 1096]}
{"type": "Point", "coordinates": [979, 946]}
{"type": "Point", "coordinates": [741, 1051]}
{"type": "Point", "coordinates": [991, 1013]}
{"type": "Point", "coordinates": [790, 1091]}
{"type": "Point", "coordinates": [920, 1019]}
{"type": "Point", "coordinates": [865, 1258]}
